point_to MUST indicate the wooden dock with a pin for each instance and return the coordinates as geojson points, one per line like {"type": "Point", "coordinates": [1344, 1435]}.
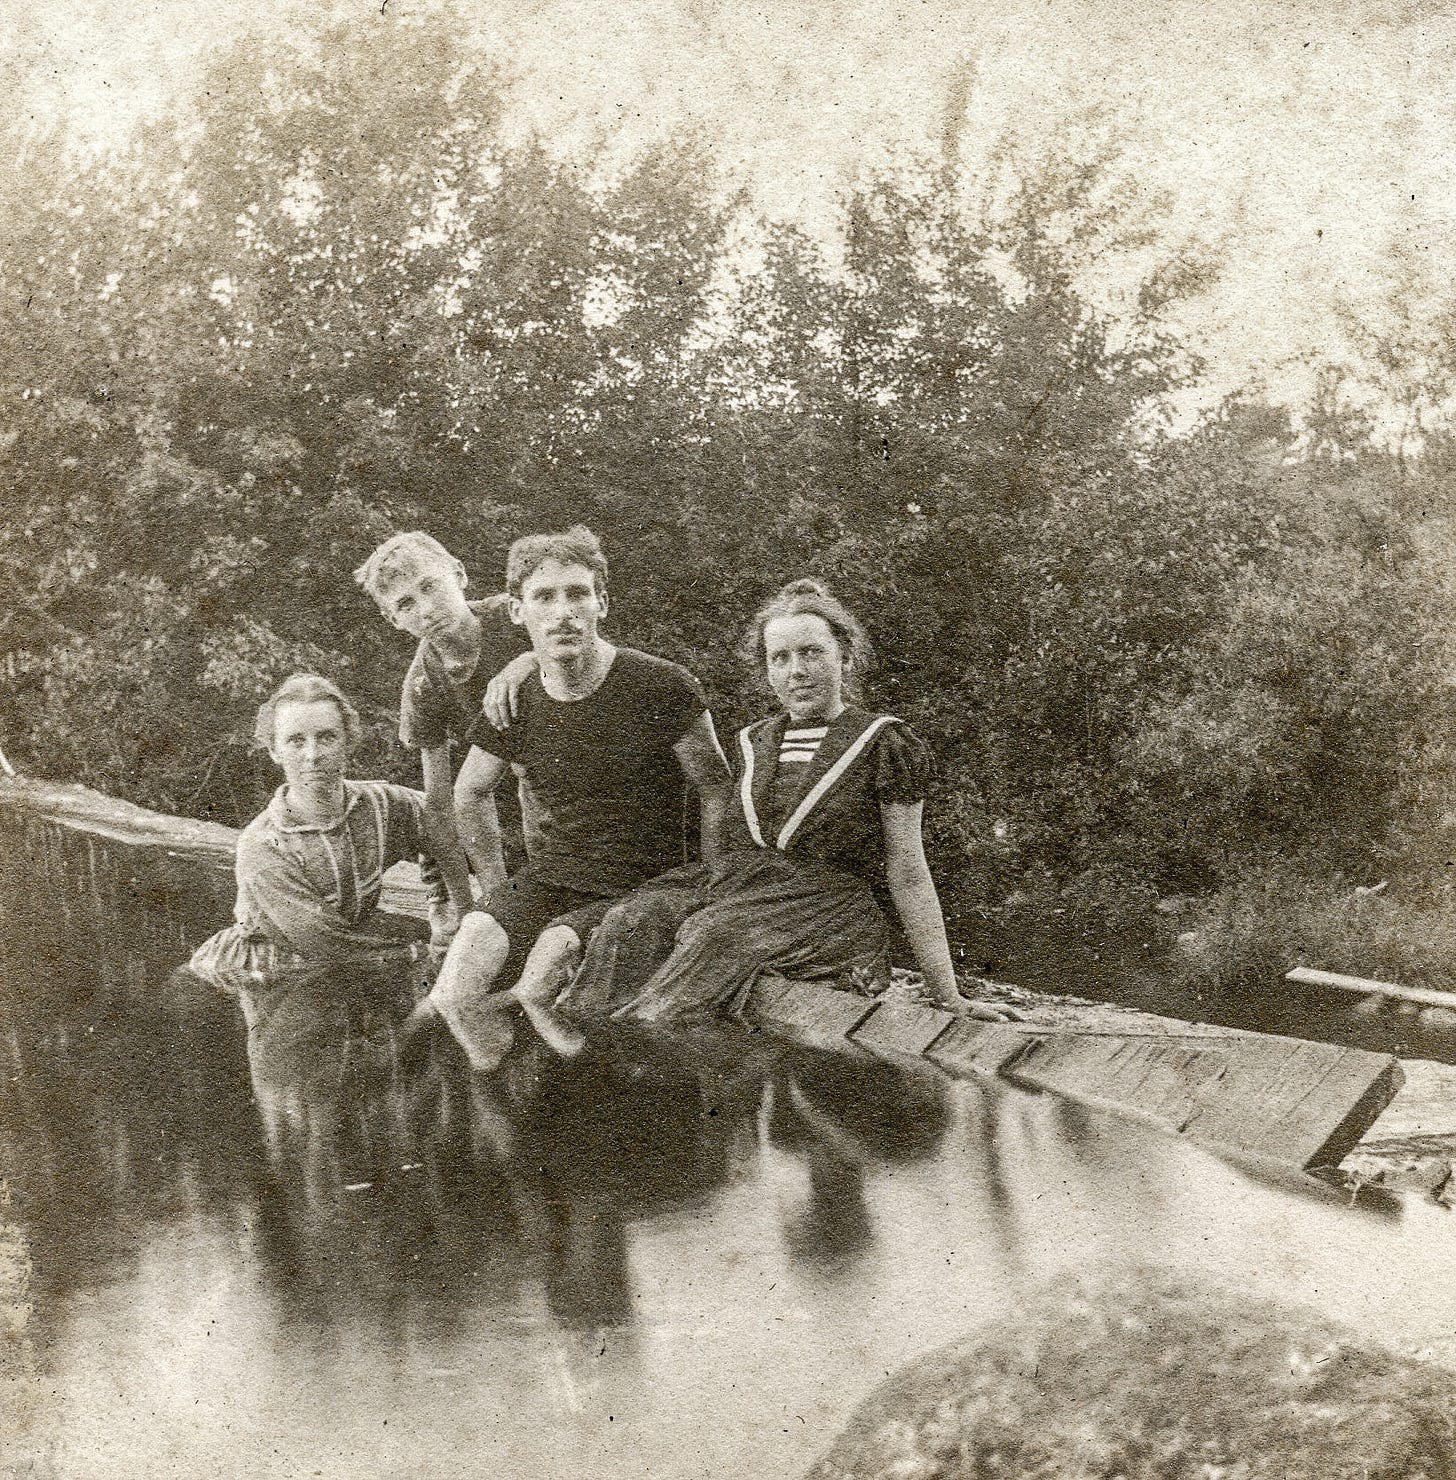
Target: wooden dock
{"type": "Point", "coordinates": [1280, 1101]}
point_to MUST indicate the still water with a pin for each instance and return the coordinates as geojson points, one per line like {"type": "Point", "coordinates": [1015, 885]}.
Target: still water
{"type": "Point", "coordinates": [670, 1257]}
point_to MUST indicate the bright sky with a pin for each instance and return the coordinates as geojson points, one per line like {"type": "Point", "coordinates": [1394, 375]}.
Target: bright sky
{"type": "Point", "coordinates": [1313, 141]}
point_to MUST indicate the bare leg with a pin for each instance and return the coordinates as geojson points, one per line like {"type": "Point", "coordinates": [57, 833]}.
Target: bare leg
{"type": "Point", "coordinates": [553, 958]}
{"type": "Point", "coordinates": [462, 993]}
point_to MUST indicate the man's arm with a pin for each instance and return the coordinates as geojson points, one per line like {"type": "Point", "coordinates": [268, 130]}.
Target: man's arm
{"type": "Point", "coordinates": [441, 831]}
{"type": "Point", "coordinates": [476, 818]}
{"type": "Point", "coordinates": [503, 692]}
{"type": "Point", "coordinates": [703, 763]}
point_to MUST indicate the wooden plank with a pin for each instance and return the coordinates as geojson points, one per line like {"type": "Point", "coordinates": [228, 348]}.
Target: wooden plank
{"type": "Point", "coordinates": [1159, 1079]}
{"type": "Point", "coordinates": [1275, 1099]}
{"type": "Point", "coordinates": [969, 1046]}
{"type": "Point", "coordinates": [403, 893]}
{"type": "Point", "coordinates": [808, 1010]}
{"type": "Point", "coordinates": [1308, 976]}
{"type": "Point", "coordinates": [1289, 1100]}
{"type": "Point", "coordinates": [902, 1028]}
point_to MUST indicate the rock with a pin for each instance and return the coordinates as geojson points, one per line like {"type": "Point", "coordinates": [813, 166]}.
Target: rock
{"type": "Point", "coordinates": [1140, 1373]}
{"type": "Point", "coordinates": [1400, 1174]}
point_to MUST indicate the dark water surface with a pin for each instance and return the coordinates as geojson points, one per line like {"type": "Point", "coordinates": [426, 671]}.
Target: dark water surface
{"type": "Point", "coordinates": [671, 1257]}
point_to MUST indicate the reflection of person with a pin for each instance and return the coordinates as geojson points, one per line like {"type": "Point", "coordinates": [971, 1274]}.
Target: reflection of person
{"type": "Point", "coordinates": [310, 867]}
{"type": "Point", "coordinates": [607, 740]}
{"type": "Point", "coordinates": [843, 1115]}
{"type": "Point", "coordinates": [419, 587]}
{"type": "Point", "coordinates": [828, 804]}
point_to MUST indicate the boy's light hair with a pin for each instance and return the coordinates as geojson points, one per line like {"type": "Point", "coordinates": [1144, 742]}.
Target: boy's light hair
{"type": "Point", "coordinates": [397, 556]}
{"type": "Point", "coordinates": [574, 546]}
{"type": "Point", "coordinates": [305, 688]}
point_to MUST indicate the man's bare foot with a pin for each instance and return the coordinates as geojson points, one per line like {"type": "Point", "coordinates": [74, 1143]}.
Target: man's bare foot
{"type": "Point", "coordinates": [556, 1033]}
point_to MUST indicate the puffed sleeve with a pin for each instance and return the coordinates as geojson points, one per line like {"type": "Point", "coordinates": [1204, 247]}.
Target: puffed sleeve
{"type": "Point", "coordinates": [904, 766]}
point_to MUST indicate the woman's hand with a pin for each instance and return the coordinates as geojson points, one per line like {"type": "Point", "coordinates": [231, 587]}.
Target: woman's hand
{"type": "Point", "coordinates": [987, 1012]}
{"type": "Point", "coordinates": [503, 692]}
{"type": "Point", "coordinates": [977, 1010]}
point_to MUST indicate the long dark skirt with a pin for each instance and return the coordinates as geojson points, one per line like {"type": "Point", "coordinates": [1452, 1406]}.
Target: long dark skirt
{"type": "Point", "coordinates": [687, 946]}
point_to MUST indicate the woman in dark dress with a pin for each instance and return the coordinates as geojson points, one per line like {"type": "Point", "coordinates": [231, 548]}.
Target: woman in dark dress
{"type": "Point", "coordinates": [828, 798]}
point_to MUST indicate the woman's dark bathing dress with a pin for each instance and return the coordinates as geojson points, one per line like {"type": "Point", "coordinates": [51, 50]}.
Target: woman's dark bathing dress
{"type": "Point", "coordinates": [791, 894]}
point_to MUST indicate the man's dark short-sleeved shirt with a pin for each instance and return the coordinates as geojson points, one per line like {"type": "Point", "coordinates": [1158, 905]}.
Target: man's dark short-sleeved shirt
{"type": "Point", "coordinates": [435, 709]}
{"type": "Point", "coordinates": [601, 781]}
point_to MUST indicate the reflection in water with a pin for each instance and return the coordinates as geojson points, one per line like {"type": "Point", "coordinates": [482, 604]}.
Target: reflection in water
{"type": "Point", "coordinates": [281, 1250]}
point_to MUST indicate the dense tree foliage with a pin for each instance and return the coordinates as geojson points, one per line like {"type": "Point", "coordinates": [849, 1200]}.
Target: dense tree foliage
{"type": "Point", "coordinates": [264, 339]}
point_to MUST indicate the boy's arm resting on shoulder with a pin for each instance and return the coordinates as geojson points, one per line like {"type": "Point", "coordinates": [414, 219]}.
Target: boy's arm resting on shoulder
{"type": "Point", "coordinates": [279, 890]}
{"type": "Point", "coordinates": [441, 832]}
{"type": "Point", "coordinates": [476, 818]}
{"type": "Point", "coordinates": [502, 694]}
{"type": "Point", "coordinates": [704, 765]}
{"type": "Point", "coordinates": [918, 906]}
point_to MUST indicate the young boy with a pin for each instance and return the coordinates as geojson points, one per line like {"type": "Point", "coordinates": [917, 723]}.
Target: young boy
{"type": "Point", "coordinates": [419, 587]}
{"type": "Point", "coordinates": [607, 739]}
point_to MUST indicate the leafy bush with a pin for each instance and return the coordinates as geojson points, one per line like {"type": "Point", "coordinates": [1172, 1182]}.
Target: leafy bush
{"type": "Point", "coordinates": [1153, 660]}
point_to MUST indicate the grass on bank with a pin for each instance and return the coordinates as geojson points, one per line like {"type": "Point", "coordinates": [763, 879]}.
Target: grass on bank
{"type": "Point", "coordinates": [1248, 934]}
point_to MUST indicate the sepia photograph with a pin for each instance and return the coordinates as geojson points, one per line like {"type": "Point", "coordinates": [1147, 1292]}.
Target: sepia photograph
{"type": "Point", "coordinates": [727, 740]}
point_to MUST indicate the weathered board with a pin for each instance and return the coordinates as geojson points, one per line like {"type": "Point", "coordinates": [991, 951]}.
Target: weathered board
{"type": "Point", "coordinates": [1263, 1097]}
{"type": "Point", "coordinates": [902, 1028]}
{"type": "Point", "coordinates": [1308, 976]}
{"type": "Point", "coordinates": [806, 1010]}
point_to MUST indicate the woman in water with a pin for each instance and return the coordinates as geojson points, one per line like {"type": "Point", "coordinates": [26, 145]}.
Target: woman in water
{"type": "Point", "coordinates": [310, 867]}
{"type": "Point", "coordinates": [828, 804]}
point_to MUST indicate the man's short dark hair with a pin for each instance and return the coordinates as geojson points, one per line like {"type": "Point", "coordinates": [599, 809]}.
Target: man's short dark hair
{"type": "Point", "coordinates": [574, 546]}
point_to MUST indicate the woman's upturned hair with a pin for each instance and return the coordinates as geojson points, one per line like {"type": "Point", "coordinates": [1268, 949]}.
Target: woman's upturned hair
{"type": "Point", "coordinates": [305, 688]}
{"type": "Point", "coordinates": [810, 597]}
{"type": "Point", "coordinates": [574, 546]}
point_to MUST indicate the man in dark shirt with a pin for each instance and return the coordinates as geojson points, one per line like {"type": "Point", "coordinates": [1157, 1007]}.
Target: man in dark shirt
{"type": "Point", "coordinates": [608, 740]}
{"type": "Point", "coordinates": [419, 587]}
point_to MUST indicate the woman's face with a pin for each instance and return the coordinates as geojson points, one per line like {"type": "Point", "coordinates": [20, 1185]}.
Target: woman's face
{"type": "Point", "coordinates": [310, 743]}
{"type": "Point", "coordinates": [806, 668]}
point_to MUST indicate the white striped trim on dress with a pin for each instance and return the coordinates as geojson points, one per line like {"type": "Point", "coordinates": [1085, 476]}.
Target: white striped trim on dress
{"type": "Point", "coordinates": [814, 795]}
{"type": "Point", "coordinates": [801, 746]}
{"type": "Point", "coordinates": [745, 788]}
{"type": "Point", "coordinates": [337, 897]}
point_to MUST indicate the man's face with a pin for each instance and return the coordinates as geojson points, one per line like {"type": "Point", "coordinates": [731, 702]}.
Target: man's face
{"type": "Point", "coordinates": [426, 597]}
{"type": "Point", "coordinates": [560, 608]}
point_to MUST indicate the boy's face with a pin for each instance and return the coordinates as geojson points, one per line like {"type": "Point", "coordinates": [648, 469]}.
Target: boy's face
{"type": "Point", "coordinates": [425, 596]}
{"type": "Point", "coordinates": [560, 608]}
